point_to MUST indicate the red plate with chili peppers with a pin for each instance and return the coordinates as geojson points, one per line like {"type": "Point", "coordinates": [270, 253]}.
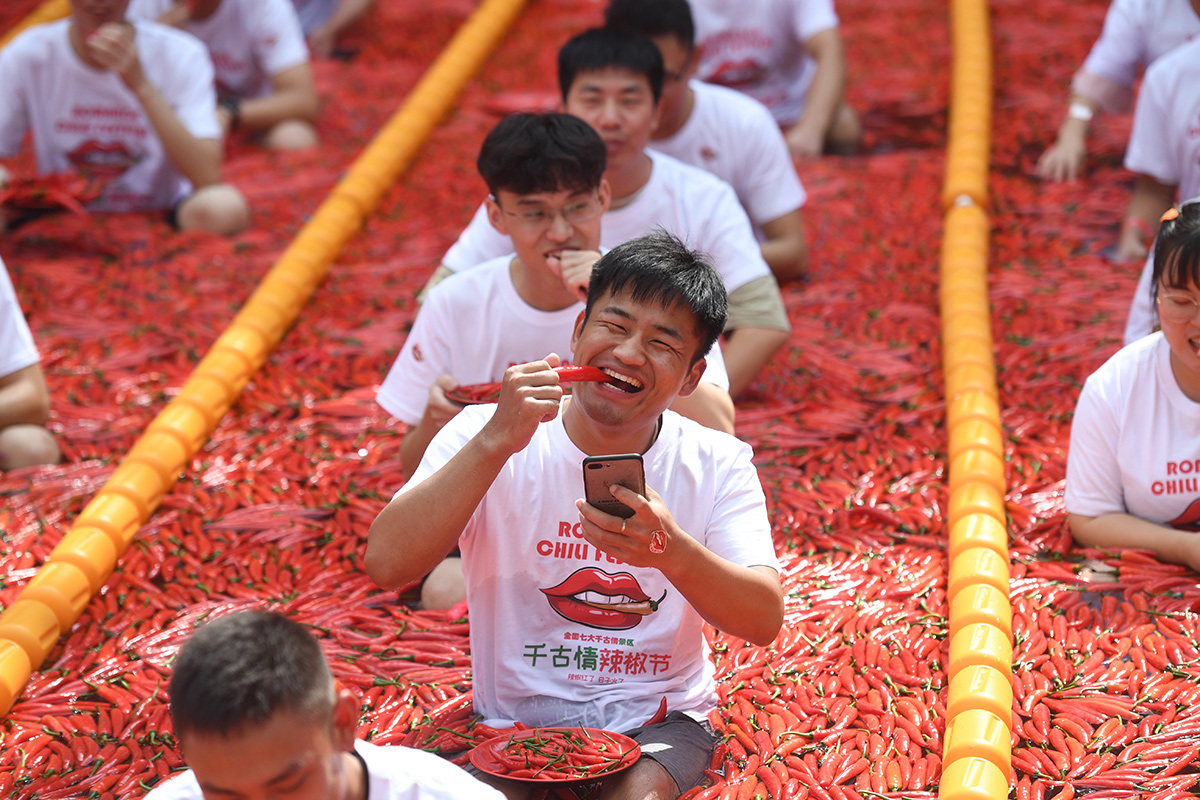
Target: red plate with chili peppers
{"type": "Point", "coordinates": [556, 755]}
{"type": "Point", "coordinates": [490, 392]}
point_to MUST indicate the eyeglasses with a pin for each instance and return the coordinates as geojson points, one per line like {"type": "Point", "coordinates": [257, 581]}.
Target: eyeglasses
{"type": "Point", "coordinates": [1177, 307]}
{"type": "Point", "coordinates": [538, 218]}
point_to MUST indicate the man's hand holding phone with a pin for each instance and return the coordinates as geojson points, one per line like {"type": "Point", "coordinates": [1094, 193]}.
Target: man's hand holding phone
{"type": "Point", "coordinates": [642, 540]}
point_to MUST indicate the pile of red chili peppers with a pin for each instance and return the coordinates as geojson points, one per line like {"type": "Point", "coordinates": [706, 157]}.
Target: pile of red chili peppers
{"type": "Point", "coordinates": [847, 427]}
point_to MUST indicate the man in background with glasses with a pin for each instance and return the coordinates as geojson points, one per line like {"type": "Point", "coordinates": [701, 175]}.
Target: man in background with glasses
{"type": "Point", "coordinates": [548, 194]}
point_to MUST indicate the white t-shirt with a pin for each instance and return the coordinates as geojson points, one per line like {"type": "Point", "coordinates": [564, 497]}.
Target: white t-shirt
{"type": "Point", "coordinates": [1136, 33]}
{"type": "Point", "coordinates": [17, 350]}
{"type": "Point", "coordinates": [735, 138]}
{"type": "Point", "coordinates": [545, 650]}
{"type": "Point", "coordinates": [86, 120]}
{"type": "Point", "coordinates": [443, 343]}
{"type": "Point", "coordinates": [1142, 316]}
{"type": "Point", "coordinates": [1165, 140]}
{"type": "Point", "coordinates": [757, 47]}
{"type": "Point", "coordinates": [249, 40]}
{"type": "Point", "coordinates": [1135, 441]}
{"type": "Point", "coordinates": [314, 13]}
{"type": "Point", "coordinates": [697, 207]}
{"type": "Point", "coordinates": [394, 773]}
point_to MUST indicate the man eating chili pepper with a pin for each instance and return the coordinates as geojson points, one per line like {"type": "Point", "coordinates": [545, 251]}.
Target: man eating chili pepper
{"type": "Point", "coordinates": [545, 175]}
{"type": "Point", "coordinates": [257, 714]}
{"type": "Point", "coordinates": [579, 617]}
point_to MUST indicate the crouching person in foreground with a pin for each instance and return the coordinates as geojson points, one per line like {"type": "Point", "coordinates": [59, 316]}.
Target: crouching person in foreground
{"type": "Point", "coordinates": [257, 715]}
{"type": "Point", "coordinates": [581, 616]}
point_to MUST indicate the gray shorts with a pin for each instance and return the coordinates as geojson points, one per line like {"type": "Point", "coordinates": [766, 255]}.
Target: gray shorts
{"type": "Point", "coordinates": [757, 304]}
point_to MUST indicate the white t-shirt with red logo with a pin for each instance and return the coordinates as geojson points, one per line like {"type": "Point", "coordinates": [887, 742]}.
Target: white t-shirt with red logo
{"type": "Point", "coordinates": [1136, 33]}
{"type": "Point", "coordinates": [473, 326]}
{"type": "Point", "coordinates": [686, 201]}
{"type": "Point", "coordinates": [1165, 140]}
{"type": "Point", "coordinates": [757, 47]}
{"type": "Point", "coordinates": [87, 120]}
{"type": "Point", "coordinates": [563, 634]}
{"type": "Point", "coordinates": [1135, 441]}
{"type": "Point", "coordinates": [17, 350]}
{"type": "Point", "coordinates": [735, 138]}
{"type": "Point", "coordinates": [249, 40]}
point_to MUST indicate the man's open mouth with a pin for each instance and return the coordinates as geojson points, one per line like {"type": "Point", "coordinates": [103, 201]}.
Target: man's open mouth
{"type": "Point", "coordinates": [625, 383]}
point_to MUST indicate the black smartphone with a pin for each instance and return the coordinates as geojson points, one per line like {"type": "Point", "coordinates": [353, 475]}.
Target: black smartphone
{"type": "Point", "coordinates": [601, 472]}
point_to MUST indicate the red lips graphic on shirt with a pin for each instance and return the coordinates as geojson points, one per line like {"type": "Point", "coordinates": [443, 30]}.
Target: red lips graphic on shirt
{"type": "Point", "coordinates": [1189, 520]}
{"type": "Point", "coordinates": [735, 74]}
{"type": "Point", "coordinates": [103, 161]}
{"type": "Point", "coordinates": [598, 599]}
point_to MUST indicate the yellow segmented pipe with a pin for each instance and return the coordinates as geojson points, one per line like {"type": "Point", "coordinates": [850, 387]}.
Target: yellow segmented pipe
{"type": "Point", "coordinates": [977, 751]}
{"type": "Point", "coordinates": [46, 12]}
{"type": "Point", "coordinates": [85, 557]}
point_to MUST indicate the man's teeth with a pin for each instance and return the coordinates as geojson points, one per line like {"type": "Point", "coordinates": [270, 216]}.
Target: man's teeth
{"type": "Point", "coordinates": [623, 379]}
{"type": "Point", "coordinates": [597, 599]}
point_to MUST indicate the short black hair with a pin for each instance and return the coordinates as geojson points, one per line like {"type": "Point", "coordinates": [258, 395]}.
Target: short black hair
{"type": "Point", "coordinates": [659, 268]}
{"type": "Point", "coordinates": [602, 48]}
{"type": "Point", "coordinates": [242, 668]}
{"type": "Point", "coordinates": [653, 18]}
{"type": "Point", "coordinates": [527, 153]}
{"type": "Point", "coordinates": [1177, 250]}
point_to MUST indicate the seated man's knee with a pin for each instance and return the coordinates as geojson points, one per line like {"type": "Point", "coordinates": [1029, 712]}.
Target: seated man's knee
{"type": "Point", "coordinates": [845, 133]}
{"type": "Point", "coordinates": [219, 209]}
{"type": "Point", "coordinates": [27, 446]}
{"type": "Point", "coordinates": [445, 586]}
{"type": "Point", "coordinates": [291, 134]}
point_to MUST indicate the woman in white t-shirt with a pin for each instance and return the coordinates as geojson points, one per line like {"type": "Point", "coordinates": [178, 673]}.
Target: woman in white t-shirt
{"type": "Point", "coordinates": [1133, 471]}
{"type": "Point", "coordinates": [1136, 33]}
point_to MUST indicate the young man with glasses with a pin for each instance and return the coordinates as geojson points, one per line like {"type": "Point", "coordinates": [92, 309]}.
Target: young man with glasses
{"type": "Point", "coordinates": [722, 131]}
{"type": "Point", "coordinates": [613, 81]}
{"type": "Point", "coordinates": [548, 195]}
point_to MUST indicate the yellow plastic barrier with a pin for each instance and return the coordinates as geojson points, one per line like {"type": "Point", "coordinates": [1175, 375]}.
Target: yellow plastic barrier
{"type": "Point", "coordinates": [46, 12]}
{"type": "Point", "coordinates": [977, 749]}
{"type": "Point", "coordinates": [85, 557]}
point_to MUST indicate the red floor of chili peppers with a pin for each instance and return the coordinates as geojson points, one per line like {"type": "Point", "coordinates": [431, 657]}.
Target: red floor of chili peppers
{"type": "Point", "coordinates": [847, 428]}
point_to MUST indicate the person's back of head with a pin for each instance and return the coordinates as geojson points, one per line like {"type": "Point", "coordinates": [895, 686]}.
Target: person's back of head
{"type": "Point", "coordinates": [599, 49]}
{"type": "Point", "coordinates": [240, 670]}
{"type": "Point", "coordinates": [653, 18]}
{"type": "Point", "coordinates": [1177, 249]}
{"type": "Point", "coordinates": [659, 268]}
{"type": "Point", "coordinates": [529, 153]}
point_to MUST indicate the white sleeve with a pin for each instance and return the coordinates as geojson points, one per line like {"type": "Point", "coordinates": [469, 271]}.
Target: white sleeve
{"type": "Point", "coordinates": [813, 16]}
{"type": "Point", "coordinates": [146, 10]}
{"type": "Point", "coordinates": [1108, 72]}
{"type": "Point", "coordinates": [715, 371]}
{"type": "Point", "coordinates": [771, 187]}
{"type": "Point", "coordinates": [1094, 485]}
{"type": "Point", "coordinates": [425, 357]}
{"type": "Point", "coordinates": [478, 243]}
{"type": "Point", "coordinates": [17, 350]}
{"type": "Point", "coordinates": [1142, 318]}
{"type": "Point", "coordinates": [1149, 150]}
{"type": "Point", "coordinates": [279, 41]}
{"type": "Point", "coordinates": [14, 116]}
{"type": "Point", "coordinates": [192, 92]}
{"type": "Point", "coordinates": [448, 441]}
{"type": "Point", "coordinates": [739, 530]}
{"type": "Point", "coordinates": [725, 234]}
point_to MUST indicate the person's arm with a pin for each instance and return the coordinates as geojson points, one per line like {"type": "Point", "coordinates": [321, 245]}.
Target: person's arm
{"type": "Point", "coordinates": [744, 601]}
{"type": "Point", "coordinates": [113, 46]}
{"type": "Point", "coordinates": [1063, 161]}
{"type": "Point", "coordinates": [785, 248]}
{"type": "Point", "coordinates": [807, 136]}
{"type": "Point", "coordinates": [1140, 225]}
{"type": "Point", "coordinates": [416, 530]}
{"type": "Point", "coordinates": [438, 411]}
{"type": "Point", "coordinates": [1126, 530]}
{"type": "Point", "coordinates": [323, 38]}
{"type": "Point", "coordinates": [748, 350]}
{"type": "Point", "coordinates": [708, 404]}
{"type": "Point", "coordinates": [293, 96]}
{"type": "Point", "coordinates": [24, 399]}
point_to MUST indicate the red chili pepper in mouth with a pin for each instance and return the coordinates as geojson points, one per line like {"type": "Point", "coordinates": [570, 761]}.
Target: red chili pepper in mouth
{"type": "Point", "coordinates": [490, 392]}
